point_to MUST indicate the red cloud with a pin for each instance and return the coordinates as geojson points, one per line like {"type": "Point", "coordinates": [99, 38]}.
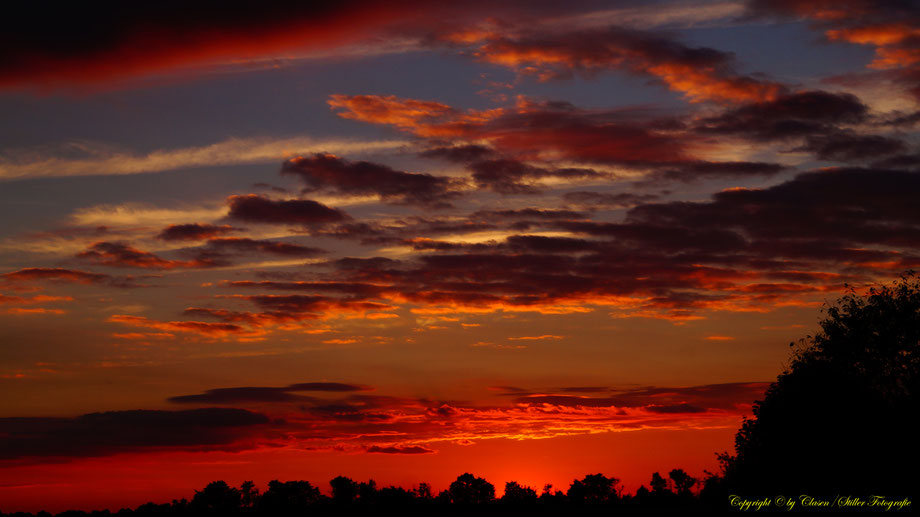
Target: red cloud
{"type": "Point", "coordinates": [87, 44]}
{"type": "Point", "coordinates": [529, 130]}
{"type": "Point", "coordinates": [59, 274]}
{"type": "Point", "coordinates": [700, 73]}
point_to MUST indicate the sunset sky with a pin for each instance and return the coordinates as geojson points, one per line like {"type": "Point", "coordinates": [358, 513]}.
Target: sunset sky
{"type": "Point", "coordinates": [403, 241]}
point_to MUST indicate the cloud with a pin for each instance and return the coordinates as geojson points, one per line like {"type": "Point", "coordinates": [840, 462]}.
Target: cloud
{"type": "Point", "coordinates": [523, 214]}
{"type": "Point", "coordinates": [266, 394]}
{"type": "Point", "coordinates": [62, 275]}
{"type": "Point", "coordinates": [193, 232]}
{"type": "Point", "coordinates": [32, 300]}
{"type": "Point", "coordinates": [409, 449]}
{"type": "Point", "coordinates": [119, 254]}
{"type": "Point", "coordinates": [607, 200]}
{"type": "Point", "coordinates": [788, 116]}
{"type": "Point", "coordinates": [355, 290]}
{"type": "Point", "coordinates": [88, 159]}
{"type": "Point", "coordinates": [817, 119]}
{"type": "Point", "coordinates": [528, 140]}
{"type": "Point", "coordinates": [302, 212]}
{"type": "Point", "coordinates": [656, 399]}
{"type": "Point", "coordinates": [701, 73]}
{"type": "Point", "coordinates": [890, 27]}
{"type": "Point", "coordinates": [344, 417]}
{"type": "Point", "coordinates": [114, 432]}
{"type": "Point", "coordinates": [700, 170]}
{"type": "Point", "coordinates": [19, 301]}
{"type": "Point", "coordinates": [216, 251]}
{"type": "Point", "coordinates": [327, 172]}
{"type": "Point", "coordinates": [847, 146]}
{"type": "Point", "coordinates": [853, 206]}
{"type": "Point", "coordinates": [204, 329]}
{"type": "Point", "coordinates": [91, 45]}
{"type": "Point", "coordinates": [529, 130]}
{"type": "Point", "coordinates": [67, 275]}
{"type": "Point", "coordinates": [507, 176]}
{"type": "Point", "coordinates": [460, 153]}
{"type": "Point", "coordinates": [303, 304]}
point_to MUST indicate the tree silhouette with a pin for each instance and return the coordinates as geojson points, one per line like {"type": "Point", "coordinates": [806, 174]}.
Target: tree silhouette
{"type": "Point", "coordinates": [659, 484]}
{"type": "Point", "coordinates": [249, 493]}
{"type": "Point", "coordinates": [841, 418]}
{"type": "Point", "coordinates": [683, 482]}
{"type": "Point", "coordinates": [367, 491]}
{"type": "Point", "coordinates": [289, 496]}
{"type": "Point", "coordinates": [594, 488]}
{"type": "Point", "coordinates": [423, 491]}
{"type": "Point", "coordinates": [217, 497]}
{"type": "Point", "coordinates": [517, 494]}
{"type": "Point", "coordinates": [344, 490]}
{"type": "Point", "coordinates": [469, 489]}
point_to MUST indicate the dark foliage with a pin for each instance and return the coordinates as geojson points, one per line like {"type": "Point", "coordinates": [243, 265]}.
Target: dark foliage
{"type": "Point", "coordinates": [842, 417]}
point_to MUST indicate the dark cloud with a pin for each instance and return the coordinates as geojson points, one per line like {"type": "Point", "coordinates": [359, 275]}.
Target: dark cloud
{"type": "Point", "coordinates": [120, 254]}
{"type": "Point", "coordinates": [303, 304]}
{"type": "Point", "coordinates": [584, 389]}
{"type": "Point", "coordinates": [114, 432]}
{"type": "Point", "coordinates": [240, 395]}
{"type": "Point", "coordinates": [460, 153]}
{"type": "Point", "coordinates": [217, 250]}
{"type": "Point", "coordinates": [900, 161]}
{"type": "Point", "coordinates": [267, 394]}
{"type": "Point", "coordinates": [864, 206]}
{"type": "Point", "coordinates": [675, 409]}
{"type": "Point", "coordinates": [193, 232]}
{"type": "Point", "coordinates": [658, 399]}
{"type": "Point", "coordinates": [847, 146]}
{"type": "Point", "coordinates": [408, 449]}
{"type": "Point", "coordinates": [789, 116]}
{"type": "Point", "coordinates": [328, 386]}
{"type": "Point", "coordinates": [326, 172]}
{"type": "Point", "coordinates": [527, 213]}
{"type": "Point", "coordinates": [353, 289]}
{"type": "Point", "coordinates": [56, 274]}
{"type": "Point", "coordinates": [93, 44]}
{"type": "Point", "coordinates": [252, 319]}
{"type": "Point", "coordinates": [699, 170]}
{"type": "Point", "coordinates": [304, 212]}
{"type": "Point", "coordinates": [507, 176]}
{"type": "Point", "coordinates": [607, 200]}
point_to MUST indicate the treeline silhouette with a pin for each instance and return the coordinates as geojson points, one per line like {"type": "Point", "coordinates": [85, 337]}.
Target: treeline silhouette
{"type": "Point", "coordinates": [593, 494]}
{"type": "Point", "coordinates": [842, 419]}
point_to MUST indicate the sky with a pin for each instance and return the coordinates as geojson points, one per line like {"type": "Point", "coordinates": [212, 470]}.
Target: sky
{"type": "Point", "coordinates": [404, 241]}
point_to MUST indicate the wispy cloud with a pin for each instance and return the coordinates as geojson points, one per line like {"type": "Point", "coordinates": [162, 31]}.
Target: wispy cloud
{"type": "Point", "coordinates": [90, 159]}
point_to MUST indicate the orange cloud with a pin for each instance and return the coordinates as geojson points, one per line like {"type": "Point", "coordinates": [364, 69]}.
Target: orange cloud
{"type": "Point", "coordinates": [34, 310]}
{"type": "Point", "coordinates": [700, 73]}
{"type": "Point", "coordinates": [205, 329]}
